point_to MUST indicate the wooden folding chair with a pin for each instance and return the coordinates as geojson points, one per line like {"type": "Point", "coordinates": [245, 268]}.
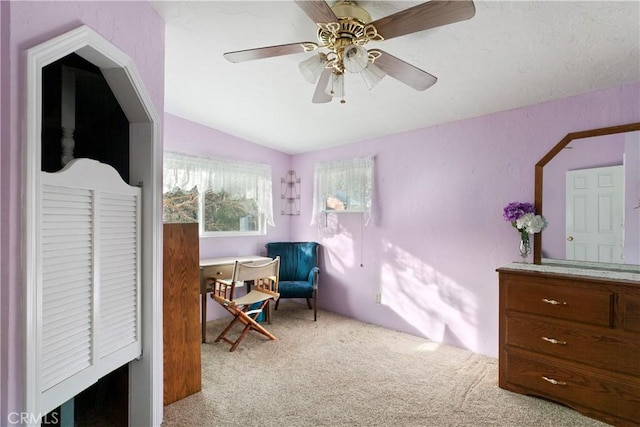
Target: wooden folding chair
{"type": "Point", "coordinates": [247, 308]}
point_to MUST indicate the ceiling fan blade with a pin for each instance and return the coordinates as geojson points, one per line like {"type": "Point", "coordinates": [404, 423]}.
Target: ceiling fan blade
{"type": "Point", "coordinates": [320, 96]}
{"type": "Point", "coordinates": [424, 16]}
{"type": "Point", "coordinates": [264, 52]}
{"type": "Point", "coordinates": [405, 72]}
{"type": "Point", "coordinates": [317, 10]}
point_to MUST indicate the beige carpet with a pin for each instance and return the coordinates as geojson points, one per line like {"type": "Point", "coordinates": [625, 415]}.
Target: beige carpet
{"type": "Point", "coordinates": [341, 372]}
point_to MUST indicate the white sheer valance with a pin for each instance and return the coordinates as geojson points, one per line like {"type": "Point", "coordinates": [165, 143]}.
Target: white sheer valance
{"type": "Point", "coordinates": [250, 180]}
{"type": "Point", "coordinates": [343, 186]}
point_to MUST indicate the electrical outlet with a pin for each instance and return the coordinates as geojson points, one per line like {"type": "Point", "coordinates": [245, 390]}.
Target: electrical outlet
{"type": "Point", "coordinates": [378, 298]}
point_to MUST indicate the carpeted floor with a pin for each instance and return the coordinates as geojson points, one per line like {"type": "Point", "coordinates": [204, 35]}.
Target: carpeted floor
{"type": "Point", "coordinates": [341, 372]}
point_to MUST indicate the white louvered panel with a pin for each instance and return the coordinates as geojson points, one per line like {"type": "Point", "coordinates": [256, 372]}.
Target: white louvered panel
{"type": "Point", "coordinates": [73, 234]}
{"type": "Point", "coordinates": [89, 246]}
{"type": "Point", "coordinates": [60, 354]}
{"type": "Point", "coordinates": [69, 193]}
{"type": "Point", "coordinates": [62, 288]}
{"type": "Point", "coordinates": [115, 295]}
{"type": "Point", "coordinates": [117, 281]}
{"type": "Point", "coordinates": [56, 335]}
{"type": "Point", "coordinates": [67, 282]}
{"type": "Point", "coordinates": [52, 248]}
{"type": "Point", "coordinates": [117, 268]}
{"type": "Point", "coordinates": [118, 250]}
{"type": "Point", "coordinates": [58, 346]}
{"type": "Point", "coordinates": [119, 276]}
{"type": "Point", "coordinates": [119, 325]}
{"type": "Point", "coordinates": [64, 215]}
{"type": "Point", "coordinates": [62, 371]}
{"type": "Point", "coordinates": [71, 273]}
{"type": "Point", "coordinates": [55, 311]}
{"type": "Point", "coordinates": [55, 257]}
{"type": "Point", "coordinates": [67, 265]}
{"type": "Point", "coordinates": [113, 259]}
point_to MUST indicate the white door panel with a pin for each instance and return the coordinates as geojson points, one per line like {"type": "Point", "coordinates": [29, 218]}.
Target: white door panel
{"type": "Point", "coordinates": [595, 215]}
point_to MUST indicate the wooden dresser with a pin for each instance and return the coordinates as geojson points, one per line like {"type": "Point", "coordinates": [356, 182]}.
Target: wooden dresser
{"type": "Point", "coordinates": [572, 338]}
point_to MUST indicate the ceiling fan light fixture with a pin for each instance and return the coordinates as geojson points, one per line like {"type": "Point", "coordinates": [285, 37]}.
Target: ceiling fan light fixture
{"type": "Point", "coordinates": [342, 32]}
{"type": "Point", "coordinates": [311, 68]}
{"type": "Point", "coordinates": [355, 58]}
{"type": "Point", "coordinates": [372, 75]}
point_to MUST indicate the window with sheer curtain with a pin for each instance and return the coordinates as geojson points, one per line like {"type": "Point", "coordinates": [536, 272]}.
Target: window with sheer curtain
{"type": "Point", "coordinates": [343, 186]}
{"type": "Point", "coordinates": [225, 197]}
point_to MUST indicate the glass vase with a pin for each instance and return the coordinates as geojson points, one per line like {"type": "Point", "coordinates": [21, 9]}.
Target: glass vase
{"type": "Point", "coordinates": [525, 247]}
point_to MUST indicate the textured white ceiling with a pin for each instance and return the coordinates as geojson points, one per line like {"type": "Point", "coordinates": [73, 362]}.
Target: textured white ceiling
{"type": "Point", "coordinates": [510, 54]}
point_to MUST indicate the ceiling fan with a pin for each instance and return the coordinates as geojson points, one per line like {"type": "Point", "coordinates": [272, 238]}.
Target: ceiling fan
{"type": "Point", "coordinates": [343, 31]}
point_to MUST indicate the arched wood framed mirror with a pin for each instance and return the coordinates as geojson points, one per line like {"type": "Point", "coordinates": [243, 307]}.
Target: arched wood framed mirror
{"type": "Point", "coordinates": [615, 139]}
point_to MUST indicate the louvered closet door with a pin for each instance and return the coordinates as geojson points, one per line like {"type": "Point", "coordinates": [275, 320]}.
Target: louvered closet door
{"type": "Point", "coordinates": [89, 267]}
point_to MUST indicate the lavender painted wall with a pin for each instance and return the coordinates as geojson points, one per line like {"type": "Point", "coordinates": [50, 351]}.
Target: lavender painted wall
{"type": "Point", "coordinates": [135, 28]}
{"type": "Point", "coordinates": [437, 237]}
{"type": "Point", "coordinates": [585, 153]}
{"type": "Point", "coordinates": [192, 138]}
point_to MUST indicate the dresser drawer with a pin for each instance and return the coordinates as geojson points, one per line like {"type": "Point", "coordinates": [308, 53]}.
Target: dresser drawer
{"type": "Point", "coordinates": [631, 313]}
{"type": "Point", "coordinates": [602, 348]}
{"type": "Point", "coordinates": [569, 303]}
{"type": "Point", "coordinates": [616, 397]}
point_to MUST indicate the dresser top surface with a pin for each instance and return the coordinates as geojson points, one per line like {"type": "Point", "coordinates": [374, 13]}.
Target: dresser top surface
{"type": "Point", "coordinates": [569, 269]}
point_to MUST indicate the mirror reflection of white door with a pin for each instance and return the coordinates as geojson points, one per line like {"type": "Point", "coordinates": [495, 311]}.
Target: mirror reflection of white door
{"type": "Point", "coordinates": [595, 214]}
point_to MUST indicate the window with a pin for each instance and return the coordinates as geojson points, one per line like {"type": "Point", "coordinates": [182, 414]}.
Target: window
{"type": "Point", "coordinates": [225, 197]}
{"type": "Point", "coordinates": [343, 186]}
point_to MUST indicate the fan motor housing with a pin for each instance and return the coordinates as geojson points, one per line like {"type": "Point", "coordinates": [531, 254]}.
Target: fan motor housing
{"type": "Point", "coordinates": [349, 10]}
{"type": "Point", "coordinates": [352, 20]}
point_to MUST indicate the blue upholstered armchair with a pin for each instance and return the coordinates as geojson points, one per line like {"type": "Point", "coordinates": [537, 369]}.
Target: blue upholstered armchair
{"type": "Point", "coordinates": [298, 270]}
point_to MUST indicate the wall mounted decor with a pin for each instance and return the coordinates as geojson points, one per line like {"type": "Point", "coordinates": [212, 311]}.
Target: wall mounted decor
{"type": "Point", "coordinates": [290, 186]}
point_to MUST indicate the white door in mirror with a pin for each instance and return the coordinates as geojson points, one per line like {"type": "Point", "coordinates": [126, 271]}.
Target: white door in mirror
{"type": "Point", "coordinates": [594, 214]}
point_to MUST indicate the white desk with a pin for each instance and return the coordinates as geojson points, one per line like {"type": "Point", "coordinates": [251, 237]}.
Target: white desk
{"type": "Point", "coordinates": [218, 268]}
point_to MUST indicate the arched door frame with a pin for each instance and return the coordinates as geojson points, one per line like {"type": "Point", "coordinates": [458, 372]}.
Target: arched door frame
{"type": "Point", "coordinates": [145, 154]}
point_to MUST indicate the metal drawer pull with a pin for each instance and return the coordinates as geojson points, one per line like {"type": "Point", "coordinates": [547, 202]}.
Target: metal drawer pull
{"type": "Point", "coordinates": [554, 341]}
{"type": "Point", "coordinates": [554, 382]}
{"type": "Point", "coordinates": [553, 302]}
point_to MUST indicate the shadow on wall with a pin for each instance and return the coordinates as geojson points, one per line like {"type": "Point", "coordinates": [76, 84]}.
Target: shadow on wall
{"type": "Point", "coordinates": [433, 303]}
{"type": "Point", "coordinates": [430, 303]}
